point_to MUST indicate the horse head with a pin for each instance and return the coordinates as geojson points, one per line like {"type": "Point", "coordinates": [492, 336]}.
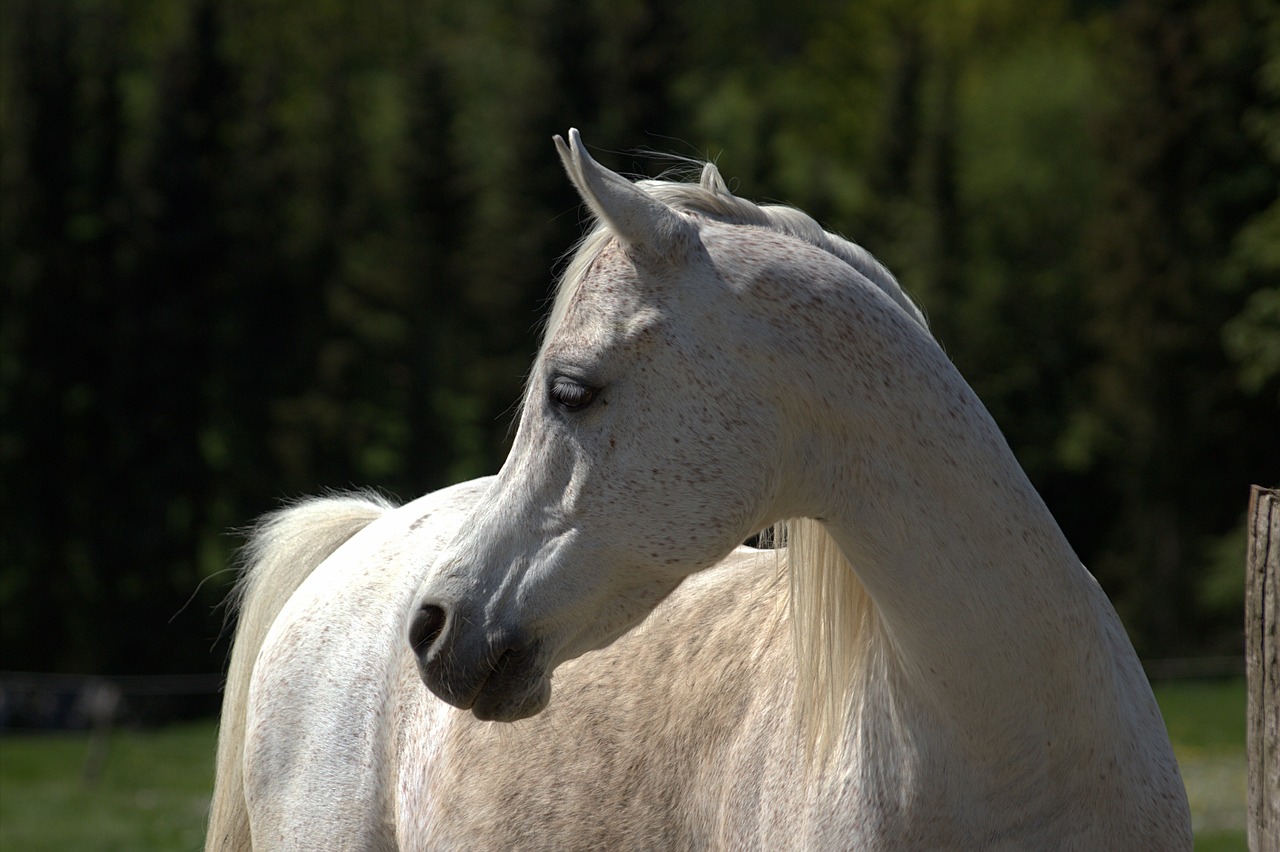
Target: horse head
{"type": "Point", "coordinates": [655, 435]}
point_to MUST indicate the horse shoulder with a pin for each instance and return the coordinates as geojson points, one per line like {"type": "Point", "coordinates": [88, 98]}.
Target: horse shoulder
{"type": "Point", "coordinates": [1086, 771]}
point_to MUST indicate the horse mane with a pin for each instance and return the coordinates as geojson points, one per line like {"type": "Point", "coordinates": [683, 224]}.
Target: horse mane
{"type": "Point", "coordinates": [834, 622]}
{"type": "Point", "coordinates": [716, 202]}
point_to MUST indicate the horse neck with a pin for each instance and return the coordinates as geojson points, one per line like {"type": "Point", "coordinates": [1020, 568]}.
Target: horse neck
{"type": "Point", "coordinates": [935, 557]}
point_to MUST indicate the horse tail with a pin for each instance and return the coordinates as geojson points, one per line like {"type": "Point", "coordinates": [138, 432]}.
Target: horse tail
{"type": "Point", "coordinates": [283, 549]}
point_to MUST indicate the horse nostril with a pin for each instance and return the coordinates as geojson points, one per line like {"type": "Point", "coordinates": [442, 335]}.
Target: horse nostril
{"type": "Point", "coordinates": [426, 628]}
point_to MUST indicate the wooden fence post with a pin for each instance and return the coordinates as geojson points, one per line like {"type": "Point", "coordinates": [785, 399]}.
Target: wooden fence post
{"type": "Point", "coordinates": [1262, 664]}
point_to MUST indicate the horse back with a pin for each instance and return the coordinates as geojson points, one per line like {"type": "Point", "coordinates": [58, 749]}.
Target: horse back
{"type": "Point", "coordinates": [317, 715]}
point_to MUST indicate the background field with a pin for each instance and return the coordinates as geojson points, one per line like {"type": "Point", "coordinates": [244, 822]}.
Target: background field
{"type": "Point", "coordinates": [153, 787]}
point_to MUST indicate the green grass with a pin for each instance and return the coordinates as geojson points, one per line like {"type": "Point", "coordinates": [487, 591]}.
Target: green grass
{"type": "Point", "coordinates": [153, 788]}
{"type": "Point", "coordinates": [1206, 721]}
{"type": "Point", "coordinates": [151, 791]}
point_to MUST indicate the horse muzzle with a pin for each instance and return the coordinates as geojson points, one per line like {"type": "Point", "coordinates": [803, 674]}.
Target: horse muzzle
{"type": "Point", "coordinates": [496, 674]}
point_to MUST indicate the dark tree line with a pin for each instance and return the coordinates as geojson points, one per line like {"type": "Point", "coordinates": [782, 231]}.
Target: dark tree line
{"type": "Point", "coordinates": [253, 251]}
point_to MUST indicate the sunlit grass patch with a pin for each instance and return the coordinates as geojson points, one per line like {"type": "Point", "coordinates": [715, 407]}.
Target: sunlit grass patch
{"type": "Point", "coordinates": [1206, 721]}
{"type": "Point", "coordinates": [150, 790]}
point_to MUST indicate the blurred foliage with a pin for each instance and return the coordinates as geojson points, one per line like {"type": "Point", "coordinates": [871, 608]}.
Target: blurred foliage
{"type": "Point", "coordinates": [251, 251]}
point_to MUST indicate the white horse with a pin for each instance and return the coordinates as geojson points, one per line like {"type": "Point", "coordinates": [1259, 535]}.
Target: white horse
{"type": "Point", "coordinates": [931, 668]}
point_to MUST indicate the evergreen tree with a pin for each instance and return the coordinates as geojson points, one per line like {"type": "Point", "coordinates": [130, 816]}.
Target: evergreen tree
{"type": "Point", "coordinates": [251, 251]}
{"type": "Point", "coordinates": [1166, 421]}
{"type": "Point", "coordinates": [43, 392]}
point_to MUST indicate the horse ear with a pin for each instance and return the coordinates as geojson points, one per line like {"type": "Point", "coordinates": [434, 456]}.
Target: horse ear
{"type": "Point", "coordinates": [712, 181]}
{"type": "Point", "coordinates": [639, 219]}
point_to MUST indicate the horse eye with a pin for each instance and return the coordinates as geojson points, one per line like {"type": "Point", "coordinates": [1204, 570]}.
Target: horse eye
{"type": "Point", "coordinates": [570, 395]}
